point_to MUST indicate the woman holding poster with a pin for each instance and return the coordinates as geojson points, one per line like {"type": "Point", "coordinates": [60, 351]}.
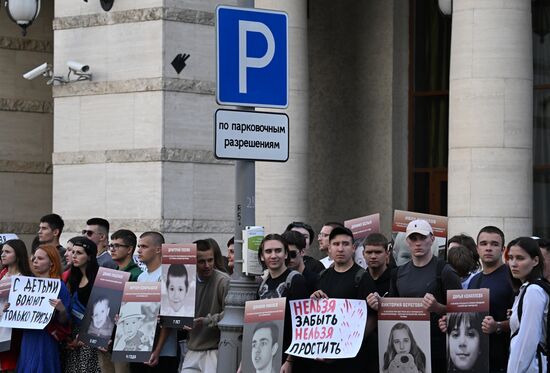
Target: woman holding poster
{"type": "Point", "coordinates": [39, 349]}
{"type": "Point", "coordinates": [16, 262]}
{"type": "Point", "coordinates": [528, 321]}
{"type": "Point", "coordinates": [80, 357]}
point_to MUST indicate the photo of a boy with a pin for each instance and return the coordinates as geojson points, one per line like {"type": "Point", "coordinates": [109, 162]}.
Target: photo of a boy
{"type": "Point", "coordinates": [130, 337]}
{"type": "Point", "coordinates": [101, 324]}
{"type": "Point", "coordinates": [178, 291]}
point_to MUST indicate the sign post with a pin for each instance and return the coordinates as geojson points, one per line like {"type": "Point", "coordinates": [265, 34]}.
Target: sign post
{"type": "Point", "coordinates": [252, 70]}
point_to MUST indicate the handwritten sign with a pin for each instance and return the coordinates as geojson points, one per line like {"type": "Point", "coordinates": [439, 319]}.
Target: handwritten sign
{"type": "Point", "coordinates": [327, 328]}
{"type": "Point", "coordinates": [4, 237]}
{"type": "Point", "coordinates": [29, 302]}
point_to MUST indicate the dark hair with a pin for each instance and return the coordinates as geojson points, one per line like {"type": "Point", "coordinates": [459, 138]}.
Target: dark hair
{"type": "Point", "coordinates": [532, 249]}
{"type": "Point", "coordinates": [295, 238]}
{"type": "Point", "coordinates": [101, 298]}
{"type": "Point", "coordinates": [231, 241]}
{"type": "Point", "coordinates": [158, 238]}
{"type": "Point", "coordinates": [544, 244]}
{"type": "Point", "coordinates": [127, 236]}
{"type": "Point", "coordinates": [473, 320]}
{"type": "Point", "coordinates": [340, 230]}
{"type": "Point", "coordinates": [92, 267]}
{"type": "Point", "coordinates": [54, 221]}
{"type": "Point", "coordinates": [307, 227]}
{"type": "Point", "coordinates": [272, 237]}
{"type": "Point", "coordinates": [35, 243]}
{"type": "Point", "coordinates": [333, 224]}
{"type": "Point", "coordinates": [100, 222]}
{"type": "Point", "coordinates": [376, 239]}
{"type": "Point", "coordinates": [218, 257]}
{"type": "Point", "coordinates": [462, 261]}
{"type": "Point", "coordinates": [21, 256]}
{"type": "Point", "coordinates": [274, 330]}
{"type": "Point", "coordinates": [416, 352]}
{"type": "Point", "coordinates": [491, 229]}
{"type": "Point", "coordinates": [177, 270]}
{"type": "Point", "coordinates": [468, 242]}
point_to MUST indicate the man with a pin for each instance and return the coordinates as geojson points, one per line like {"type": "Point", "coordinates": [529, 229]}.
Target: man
{"type": "Point", "coordinates": [495, 276]}
{"type": "Point", "coordinates": [544, 245]}
{"type": "Point", "coordinates": [427, 277]}
{"type": "Point", "coordinates": [345, 280]}
{"type": "Point", "coordinates": [97, 230]}
{"type": "Point", "coordinates": [122, 246]}
{"type": "Point", "coordinates": [164, 355]}
{"type": "Point", "coordinates": [231, 255]}
{"type": "Point", "coordinates": [49, 231]}
{"type": "Point", "coordinates": [296, 250]}
{"type": "Point", "coordinates": [264, 347]}
{"type": "Point", "coordinates": [204, 336]}
{"type": "Point", "coordinates": [322, 238]}
{"type": "Point", "coordinates": [305, 229]}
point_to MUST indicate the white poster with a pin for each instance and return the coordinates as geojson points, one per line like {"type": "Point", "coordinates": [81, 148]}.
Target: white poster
{"type": "Point", "coordinates": [327, 328]}
{"type": "Point", "coordinates": [30, 302]}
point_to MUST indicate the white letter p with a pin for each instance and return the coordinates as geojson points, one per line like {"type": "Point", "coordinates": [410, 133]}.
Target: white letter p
{"type": "Point", "coordinates": [253, 62]}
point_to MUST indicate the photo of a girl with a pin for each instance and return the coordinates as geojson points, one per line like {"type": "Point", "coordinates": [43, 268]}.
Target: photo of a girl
{"type": "Point", "coordinates": [403, 353]}
{"type": "Point", "coordinates": [467, 345]}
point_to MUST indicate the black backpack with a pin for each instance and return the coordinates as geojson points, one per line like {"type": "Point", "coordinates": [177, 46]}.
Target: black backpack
{"type": "Point", "coordinates": [540, 349]}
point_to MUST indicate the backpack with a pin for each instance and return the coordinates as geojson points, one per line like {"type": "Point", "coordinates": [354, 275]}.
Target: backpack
{"type": "Point", "coordinates": [440, 296]}
{"type": "Point", "coordinates": [288, 281]}
{"type": "Point", "coordinates": [545, 285]}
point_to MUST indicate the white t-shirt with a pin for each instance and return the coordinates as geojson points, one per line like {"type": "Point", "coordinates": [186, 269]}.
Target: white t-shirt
{"type": "Point", "coordinates": [147, 276]}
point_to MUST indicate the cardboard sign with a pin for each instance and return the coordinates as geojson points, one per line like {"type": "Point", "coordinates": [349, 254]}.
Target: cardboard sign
{"type": "Point", "coordinates": [5, 333]}
{"type": "Point", "coordinates": [179, 268]}
{"type": "Point", "coordinates": [137, 322]}
{"type": "Point", "coordinates": [264, 322]}
{"type": "Point", "coordinates": [361, 228]}
{"type": "Point", "coordinates": [327, 328]}
{"type": "Point", "coordinates": [104, 303]}
{"type": "Point", "coordinates": [467, 345]}
{"type": "Point", "coordinates": [29, 302]}
{"type": "Point", "coordinates": [401, 219]}
{"type": "Point", "coordinates": [403, 336]}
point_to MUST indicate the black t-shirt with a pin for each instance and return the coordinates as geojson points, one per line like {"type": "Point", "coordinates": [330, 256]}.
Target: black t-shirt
{"type": "Point", "coordinates": [311, 280]}
{"type": "Point", "coordinates": [313, 264]}
{"type": "Point", "coordinates": [501, 298]}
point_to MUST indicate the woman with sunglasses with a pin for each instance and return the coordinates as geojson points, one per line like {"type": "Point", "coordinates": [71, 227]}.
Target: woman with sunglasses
{"type": "Point", "coordinates": [80, 357]}
{"type": "Point", "coordinates": [15, 261]}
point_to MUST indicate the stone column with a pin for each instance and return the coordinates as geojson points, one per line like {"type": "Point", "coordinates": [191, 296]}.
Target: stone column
{"type": "Point", "coordinates": [281, 188]}
{"type": "Point", "coordinates": [490, 120]}
{"type": "Point", "coordinates": [135, 145]}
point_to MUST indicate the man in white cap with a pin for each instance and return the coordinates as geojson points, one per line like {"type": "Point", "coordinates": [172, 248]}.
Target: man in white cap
{"type": "Point", "coordinates": [427, 277]}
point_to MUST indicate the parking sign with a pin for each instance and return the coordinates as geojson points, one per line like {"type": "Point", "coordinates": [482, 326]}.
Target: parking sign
{"type": "Point", "coordinates": [252, 57]}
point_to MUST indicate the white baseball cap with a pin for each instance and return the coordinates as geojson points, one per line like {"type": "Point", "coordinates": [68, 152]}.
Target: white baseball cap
{"type": "Point", "coordinates": [419, 226]}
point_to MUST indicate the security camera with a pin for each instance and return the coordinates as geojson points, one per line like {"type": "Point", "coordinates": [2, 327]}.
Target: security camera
{"type": "Point", "coordinates": [43, 69]}
{"type": "Point", "coordinates": [78, 67]}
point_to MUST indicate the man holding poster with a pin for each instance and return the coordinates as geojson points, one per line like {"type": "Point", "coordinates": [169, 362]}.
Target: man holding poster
{"type": "Point", "coordinates": [345, 280]}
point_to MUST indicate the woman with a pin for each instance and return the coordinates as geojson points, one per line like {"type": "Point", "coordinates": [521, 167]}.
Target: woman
{"type": "Point", "coordinates": [403, 354]}
{"type": "Point", "coordinates": [467, 345]}
{"type": "Point", "coordinates": [68, 259]}
{"type": "Point", "coordinates": [527, 265]}
{"type": "Point", "coordinates": [218, 257]}
{"type": "Point", "coordinates": [39, 349]}
{"type": "Point", "coordinates": [16, 262]}
{"type": "Point", "coordinates": [80, 357]}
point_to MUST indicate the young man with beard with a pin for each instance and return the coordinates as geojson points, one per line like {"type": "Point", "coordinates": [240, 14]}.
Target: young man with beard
{"type": "Point", "coordinates": [345, 280]}
{"type": "Point", "coordinates": [97, 230]}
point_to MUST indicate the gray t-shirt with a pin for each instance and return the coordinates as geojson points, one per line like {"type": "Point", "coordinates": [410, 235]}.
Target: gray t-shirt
{"type": "Point", "coordinates": [104, 260]}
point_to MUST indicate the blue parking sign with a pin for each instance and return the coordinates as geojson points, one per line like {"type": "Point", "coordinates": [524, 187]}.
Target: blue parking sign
{"type": "Point", "coordinates": [252, 57]}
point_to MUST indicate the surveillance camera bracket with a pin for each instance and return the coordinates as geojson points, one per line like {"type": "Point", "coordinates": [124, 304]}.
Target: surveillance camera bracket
{"type": "Point", "coordinates": [81, 76]}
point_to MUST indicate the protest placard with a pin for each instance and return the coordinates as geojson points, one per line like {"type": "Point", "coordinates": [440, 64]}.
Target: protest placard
{"type": "Point", "coordinates": [263, 335]}
{"type": "Point", "coordinates": [4, 237]}
{"type": "Point", "coordinates": [467, 345]}
{"type": "Point", "coordinates": [103, 305]}
{"type": "Point", "coordinates": [137, 322]}
{"type": "Point", "coordinates": [5, 333]}
{"type": "Point", "coordinates": [403, 336]}
{"type": "Point", "coordinates": [29, 302]}
{"type": "Point", "coordinates": [179, 268]}
{"type": "Point", "coordinates": [327, 328]}
{"type": "Point", "coordinates": [361, 228]}
{"type": "Point", "coordinates": [401, 219]}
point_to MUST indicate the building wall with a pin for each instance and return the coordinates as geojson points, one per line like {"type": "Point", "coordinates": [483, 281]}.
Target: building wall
{"type": "Point", "coordinates": [26, 125]}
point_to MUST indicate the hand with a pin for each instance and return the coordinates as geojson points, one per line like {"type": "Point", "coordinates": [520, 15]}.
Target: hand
{"type": "Point", "coordinates": [373, 300]}
{"type": "Point", "coordinates": [239, 370]}
{"type": "Point", "coordinates": [488, 325]}
{"type": "Point", "coordinates": [430, 304]}
{"type": "Point", "coordinates": [199, 322]}
{"type": "Point", "coordinates": [286, 367]}
{"type": "Point", "coordinates": [318, 295]}
{"type": "Point", "coordinates": [6, 306]}
{"type": "Point", "coordinates": [443, 324]}
{"type": "Point", "coordinates": [57, 304]}
{"type": "Point", "coordinates": [154, 359]}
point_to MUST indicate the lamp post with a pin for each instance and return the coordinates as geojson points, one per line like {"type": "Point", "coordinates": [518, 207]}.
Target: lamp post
{"type": "Point", "coordinates": [22, 12]}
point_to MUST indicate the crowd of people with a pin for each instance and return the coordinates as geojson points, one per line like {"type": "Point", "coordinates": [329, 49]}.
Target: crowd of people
{"type": "Point", "coordinates": [516, 275]}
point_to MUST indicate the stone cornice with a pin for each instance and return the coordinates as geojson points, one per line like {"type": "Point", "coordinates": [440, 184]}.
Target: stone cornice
{"type": "Point", "coordinates": [138, 155]}
{"type": "Point", "coordinates": [135, 15]}
{"type": "Point", "coordinates": [26, 167]}
{"type": "Point", "coordinates": [24, 44]}
{"type": "Point", "coordinates": [26, 106]}
{"type": "Point", "coordinates": [134, 85]}
{"type": "Point", "coordinates": [161, 225]}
